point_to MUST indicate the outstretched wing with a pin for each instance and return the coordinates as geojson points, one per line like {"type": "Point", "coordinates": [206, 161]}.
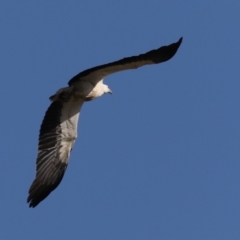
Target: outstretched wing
{"type": "Point", "coordinates": [57, 136]}
{"type": "Point", "coordinates": [159, 55]}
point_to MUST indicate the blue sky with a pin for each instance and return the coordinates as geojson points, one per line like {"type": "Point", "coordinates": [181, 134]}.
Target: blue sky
{"type": "Point", "coordinates": [159, 159]}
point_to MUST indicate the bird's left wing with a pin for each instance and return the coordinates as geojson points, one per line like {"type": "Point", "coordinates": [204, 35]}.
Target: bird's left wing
{"type": "Point", "coordinates": [156, 56]}
{"type": "Point", "coordinates": [57, 136]}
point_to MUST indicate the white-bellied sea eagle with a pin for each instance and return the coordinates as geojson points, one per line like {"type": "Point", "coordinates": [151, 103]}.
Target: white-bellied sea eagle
{"type": "Point", "coordinates": [58, 131]}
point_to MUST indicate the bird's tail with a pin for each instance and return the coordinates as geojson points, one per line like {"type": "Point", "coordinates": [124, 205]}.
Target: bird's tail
{"type": "Point", "coordinates": [63, 95]}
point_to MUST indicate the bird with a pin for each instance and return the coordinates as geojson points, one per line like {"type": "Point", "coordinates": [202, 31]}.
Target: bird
{"type": "Point", "coordinates": [58, 130]}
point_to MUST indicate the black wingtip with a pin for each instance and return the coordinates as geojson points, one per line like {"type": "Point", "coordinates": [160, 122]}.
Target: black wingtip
{"type": "Point", "coordinates": [179, 41]}
{"type": "Point", "coordinates": [165, 53]}
{"type": "Point", "coordinates": [39, 190]}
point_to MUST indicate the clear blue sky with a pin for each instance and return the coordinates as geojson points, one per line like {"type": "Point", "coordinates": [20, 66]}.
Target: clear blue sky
{"type": "Point", "coordinates": [160, 158]}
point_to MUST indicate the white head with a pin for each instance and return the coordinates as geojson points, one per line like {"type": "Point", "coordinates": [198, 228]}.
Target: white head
{"type": "Point", "coordinates": [106, 89]}
{"type": "Point", "coordinates": [98, 91]}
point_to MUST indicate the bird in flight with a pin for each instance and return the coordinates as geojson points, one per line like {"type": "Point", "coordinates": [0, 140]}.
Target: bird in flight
{"type": "Point", "coordinates": [58, 131]}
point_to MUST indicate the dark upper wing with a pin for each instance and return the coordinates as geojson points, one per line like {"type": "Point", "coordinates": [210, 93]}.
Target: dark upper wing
{"type": "Point", "coordinates": [57, 136]}
{"type": "Point", "coordinates": [159, 55]}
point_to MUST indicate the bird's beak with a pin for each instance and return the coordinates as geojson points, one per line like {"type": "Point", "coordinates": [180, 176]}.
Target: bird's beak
{"type": "Point", "coordinates": [110, 91]}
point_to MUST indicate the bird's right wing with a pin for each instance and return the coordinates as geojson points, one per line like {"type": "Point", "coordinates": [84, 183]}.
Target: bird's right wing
{"type": "Point", "coordinates": [159, 55]}
{"type": "Point", "coordinates": [56, 139]}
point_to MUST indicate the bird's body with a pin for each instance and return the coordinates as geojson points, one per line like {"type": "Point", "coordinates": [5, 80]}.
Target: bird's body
{"type": "Point", "coordinates": [58, 131]}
